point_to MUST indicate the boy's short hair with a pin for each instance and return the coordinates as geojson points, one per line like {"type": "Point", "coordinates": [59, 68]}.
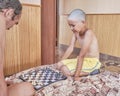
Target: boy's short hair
{"type": "Point", "coordinates": [77, 14]}
{"type": "Point", "coordinates": [14, 4]}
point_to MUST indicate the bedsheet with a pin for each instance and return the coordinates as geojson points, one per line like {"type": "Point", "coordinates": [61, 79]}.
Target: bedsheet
{"type": "Point", "coordinates": [104, 84]}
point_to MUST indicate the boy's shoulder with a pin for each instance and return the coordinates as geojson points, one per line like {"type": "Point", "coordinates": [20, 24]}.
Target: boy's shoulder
{"type": "Point", "coordinates": [88, 32]}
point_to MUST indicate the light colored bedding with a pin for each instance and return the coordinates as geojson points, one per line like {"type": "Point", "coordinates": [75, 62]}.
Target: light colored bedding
{"type": "Point", "coordinates": [104, 84]}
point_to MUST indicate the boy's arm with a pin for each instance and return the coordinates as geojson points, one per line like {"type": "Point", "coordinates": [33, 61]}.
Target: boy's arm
{"type": "Point", "coordinates": [84, 50]}
{"type": "Point", "coordinates": [70, 48]}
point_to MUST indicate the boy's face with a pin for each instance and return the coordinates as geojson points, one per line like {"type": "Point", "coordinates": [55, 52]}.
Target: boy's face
{"type": "Point", "coordinates": [76, 26]}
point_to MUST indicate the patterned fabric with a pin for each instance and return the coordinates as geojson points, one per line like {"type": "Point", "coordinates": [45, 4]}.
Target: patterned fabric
{"type": "Point", "coordinates": [42, 77]}
{"type": "Point", "coordinates": [104, 84]}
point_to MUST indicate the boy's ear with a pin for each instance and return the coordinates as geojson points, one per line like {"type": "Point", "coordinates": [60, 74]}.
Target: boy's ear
{"type": "Point", "coordinates": [8, 13]}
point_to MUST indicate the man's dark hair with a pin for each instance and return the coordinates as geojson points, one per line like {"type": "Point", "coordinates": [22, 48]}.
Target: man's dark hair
{"type": "Point", "coordinates": [14, 4]}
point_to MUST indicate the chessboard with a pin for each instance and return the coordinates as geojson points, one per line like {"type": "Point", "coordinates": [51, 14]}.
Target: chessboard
{"type": "Point", "coordinates": [42, 77]}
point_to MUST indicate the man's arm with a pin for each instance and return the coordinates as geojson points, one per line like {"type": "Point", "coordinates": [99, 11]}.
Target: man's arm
{"type": "Point", "coordinates": [3, 87]}
{"type": "Point", "coordinates": [84, 50]}
{"type": "Point", "coordinates": [70, 48]}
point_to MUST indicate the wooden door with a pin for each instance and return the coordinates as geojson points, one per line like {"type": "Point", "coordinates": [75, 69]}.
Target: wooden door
{"type": "Point", "coordinates": [48, 31]}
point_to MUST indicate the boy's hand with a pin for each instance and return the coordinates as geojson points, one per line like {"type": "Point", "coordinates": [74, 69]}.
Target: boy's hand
{"type": "Point", "coordinates": [77, 79]}
{"type": "Point", "coordinates": [79, 26]}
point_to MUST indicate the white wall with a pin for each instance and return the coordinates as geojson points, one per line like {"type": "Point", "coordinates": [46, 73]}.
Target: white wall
{"type": "Point", "coordinates": [36, 2]}
{"type": "Point", "coordinates": [91, 6]}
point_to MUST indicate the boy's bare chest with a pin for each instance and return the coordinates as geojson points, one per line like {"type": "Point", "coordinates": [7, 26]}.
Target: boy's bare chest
{"type": "Point", "coordinates": [80, 39]}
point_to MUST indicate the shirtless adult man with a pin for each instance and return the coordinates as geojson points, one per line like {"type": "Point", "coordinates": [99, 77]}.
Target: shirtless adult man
{"type": "Point", "coordinates": [10, 13]}
{"type": "Point", "coordinates": [88, 59]}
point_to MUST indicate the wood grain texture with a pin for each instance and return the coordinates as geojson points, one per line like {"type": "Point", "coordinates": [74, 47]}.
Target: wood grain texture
{"type": "Point", "coordinates": [48, 25]}
{"type": "Point", "coordinates": [104, 21]}
{"type": "Point", "coordinates": [23, 42]}
{"type": "Point", "coordinates": [106, 28]}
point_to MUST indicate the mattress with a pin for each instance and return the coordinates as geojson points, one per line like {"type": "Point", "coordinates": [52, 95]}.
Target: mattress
{"type": "Point", "coordinates": [104, 84]}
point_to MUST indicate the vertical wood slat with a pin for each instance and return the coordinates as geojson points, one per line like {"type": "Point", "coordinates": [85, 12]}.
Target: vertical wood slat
{"type": "Point", "coordinates": [23, 42]}
{"type": "Point", "coordinates": [48, 31]}
{"type": "Point", "coordinates": [106, 27]}
{"type": "Point", "coordinates": [104, 21]}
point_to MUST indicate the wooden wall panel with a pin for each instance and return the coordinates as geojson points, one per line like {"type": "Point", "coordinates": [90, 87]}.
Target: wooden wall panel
{"type": "Point", "coordinates": [23, 42]}
{"type": "Point", "coordinates": [106, 28]}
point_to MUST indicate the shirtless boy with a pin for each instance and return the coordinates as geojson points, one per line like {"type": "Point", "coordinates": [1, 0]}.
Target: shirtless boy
{"type": "Point", "coordinates": [10, 13]}
{"type": "Point", "coordinates": [88, 59]}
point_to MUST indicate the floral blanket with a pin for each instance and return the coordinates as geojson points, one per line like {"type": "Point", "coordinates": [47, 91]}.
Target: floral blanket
{"type": "Point", "coordinates": [104, 84]}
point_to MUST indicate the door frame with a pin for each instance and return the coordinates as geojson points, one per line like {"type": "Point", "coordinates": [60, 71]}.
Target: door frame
{"type": "Point", "coordinates": [48, 31]}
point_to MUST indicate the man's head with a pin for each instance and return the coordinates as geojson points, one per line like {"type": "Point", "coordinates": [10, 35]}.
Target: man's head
{"type": "Point", "coordinates": [76, 20]}
{"type": "Point", "coordinates": [11, 10]}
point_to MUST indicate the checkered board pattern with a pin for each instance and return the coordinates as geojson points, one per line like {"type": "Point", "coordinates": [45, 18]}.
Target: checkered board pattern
{"type": "Point", "coordinates": [42, 77]}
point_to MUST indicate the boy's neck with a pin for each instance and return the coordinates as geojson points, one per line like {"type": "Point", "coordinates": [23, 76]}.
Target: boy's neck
{"type": "Point", "coordinates": [83, 31]}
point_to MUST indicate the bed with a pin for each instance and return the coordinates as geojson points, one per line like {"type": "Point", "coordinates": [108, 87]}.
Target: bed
{"type": "Point", "coordinates": [104, 84]}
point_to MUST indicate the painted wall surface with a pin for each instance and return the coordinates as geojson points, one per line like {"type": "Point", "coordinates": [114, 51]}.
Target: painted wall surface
{"type": "Point", "coordinates": [36, 2]}
{"type": "Point", "coordinates": [91, 6]}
